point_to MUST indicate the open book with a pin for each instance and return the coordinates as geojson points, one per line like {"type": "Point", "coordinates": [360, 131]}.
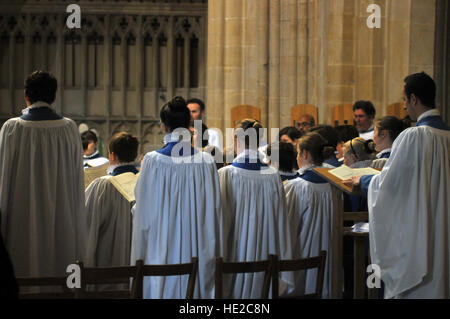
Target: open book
{"type": "Point", "coordinates": [92, 173]}
{"type": "Point", "coordinates": [97, 162]}
{"type": "Point", "coordinates": [125, 184]}
{"type": "Point", "coordinates": [344, 172]}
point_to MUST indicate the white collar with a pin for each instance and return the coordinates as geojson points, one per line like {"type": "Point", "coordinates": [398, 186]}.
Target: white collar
{"type": "Point", "coordinates": [251, 154]}
{"type": "Point", "coordinates": [432, 112]}
{"type": "Point", "coordinates": [90, 156]}
{"type": "Point", "coordinates": [367, 131]}
{"type": "Point", "coordinates": [35, 105]}
{"type": "Point", "coordinates": [287, 173]}
{"type": "Point", "coordinates": [308, 167]}
{"type": "Point", "coordinates": [169, 138]}
{"type": "Point", "coordinates": [111, 168]}
{"type": "Point", "coordinates": [386, 150]}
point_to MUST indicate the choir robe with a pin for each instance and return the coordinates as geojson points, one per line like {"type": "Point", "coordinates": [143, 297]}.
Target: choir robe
{"type": "Point", "coordinates": [108, 222]}
{"type": "Point", "coordinates": [254, 205]}
{"type": "Point", "coordinates": [310, 205]}
{"type": "Point", "coordinates": [177, 216]}
{"type": "Point", "coordinates": [409, 213]}
{"type": "Point", "coordinates": [42, 192]}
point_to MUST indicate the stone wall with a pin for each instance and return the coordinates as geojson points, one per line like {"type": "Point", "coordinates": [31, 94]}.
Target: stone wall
{"type": "Point", "coordinates": [277, 53]}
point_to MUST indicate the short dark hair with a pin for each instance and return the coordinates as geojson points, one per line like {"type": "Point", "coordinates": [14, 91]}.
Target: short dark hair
{"type": "Point", "coordinates": [196, 101]}
{"type": "Point", "coordinates": [292, 132]}
{"type": "Point", "coordinates": [125, 146]}
{"type": "Point", "coordinates": [175, 114]}
{"type": "Point", "coordinates": [41, 86]}
{"type": "Point", "coordinates": [87, 137]}
{"type": "Point", "coordinates": [287, 155]}
{"type": "Point", "coordinates": [366, 106]}
{"type": "Point", "coordinates": [328, 133]}
{"type": "Point", "coordinates": [203, 135]}
{"type": "Point", "coordinates": [393, 125]}
{"type": "Point", "coordinates": [423, 87]}
{"type": "Point", "coordinates": [346, 132]}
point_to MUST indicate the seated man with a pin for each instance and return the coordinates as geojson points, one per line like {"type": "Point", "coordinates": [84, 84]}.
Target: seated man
{"type": "Point", "coordinates": [108, 211]}
{"type": "Point", "coordinates": [91, 156]}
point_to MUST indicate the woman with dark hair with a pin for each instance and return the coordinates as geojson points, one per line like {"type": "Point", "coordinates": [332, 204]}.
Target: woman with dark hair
{"type": "Point", "coordinates": [254, 204]}
{"type": "Point", "coordinates": [178, 213]}
{"type": "Point", "coordinates": [310, 205]}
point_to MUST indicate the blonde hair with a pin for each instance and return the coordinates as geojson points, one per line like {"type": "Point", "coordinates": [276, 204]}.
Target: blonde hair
{"type": "Point", "coordinates": [361, 148]}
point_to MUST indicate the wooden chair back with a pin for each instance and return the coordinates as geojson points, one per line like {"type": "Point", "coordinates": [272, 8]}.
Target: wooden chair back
{"type": "Point", "coordinates": [116, 276]}
{"type": "Point", "coordinates": [302, 109]}
{"type": "Point", "coordinates": [297, 265]}
{"type": "Point", "coordinates": [240, 268]}
{"type": "Point", "coordinates": [190, 269]}
{"type": "Point", "coordinates": [343, 114]}
{"type": "Point", "coordinates": [396, 110]}
{"type": "Point", "coordinates": [245, 111]}
{"type": "Point", "coordinates": [45, 283]}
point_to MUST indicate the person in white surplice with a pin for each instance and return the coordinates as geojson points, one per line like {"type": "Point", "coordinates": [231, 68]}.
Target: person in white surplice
{"type": "Point", "coordinates": [177, 214]}
{"type": "Point", "coordinates": [310, 205]}
{"type": "Point", "coordinates": [41, 184]}
{"type": "Point", "coordinates": [409, 202]}
{"type": "Point", "coordinates": [108, 211]}
{"type": "Point", "coordinates": [254, 205]}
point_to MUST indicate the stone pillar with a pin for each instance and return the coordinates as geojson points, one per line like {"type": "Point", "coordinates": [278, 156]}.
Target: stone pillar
{"type": "Point", "coordinates": [319, 52]}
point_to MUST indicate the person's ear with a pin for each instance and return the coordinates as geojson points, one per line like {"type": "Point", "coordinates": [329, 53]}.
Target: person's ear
{"type": "Point", "coordinates": [413, 99]}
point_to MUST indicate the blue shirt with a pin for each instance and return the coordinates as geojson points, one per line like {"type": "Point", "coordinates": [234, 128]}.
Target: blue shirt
{"type": "Point", "coordinates": [42, 113]}
{"type": "Point", "coordinates": [313, 177]}
{"type": "Point", "coordinates": [167, 149]}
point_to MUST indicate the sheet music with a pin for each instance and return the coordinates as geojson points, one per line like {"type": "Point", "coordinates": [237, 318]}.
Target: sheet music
{"type": "Point", "coordinates": [344, 172]}
{"type": "Point", "coordinates": [125, 184]}
{"type": "Point", "coordinates": [92, 173]}
{"type": "Point", "coordinates": [97, 162]}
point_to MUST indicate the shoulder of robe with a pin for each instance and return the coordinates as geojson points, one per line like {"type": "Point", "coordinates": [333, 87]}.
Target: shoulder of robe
{"type": "Point", "coordinates": [99, 183]}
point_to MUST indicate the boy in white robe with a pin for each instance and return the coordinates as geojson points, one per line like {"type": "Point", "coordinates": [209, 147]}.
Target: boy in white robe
{"type": "Point", "coordinates": [310, 201]}
{"type": "Point", "coordinates": [108, 211]}
{"type": "Point", "coordinates": [254, 205]}
{"type": "Point", "coordinates": [41, 185]}
{"type": "Point", "coordinates": [178, 213]}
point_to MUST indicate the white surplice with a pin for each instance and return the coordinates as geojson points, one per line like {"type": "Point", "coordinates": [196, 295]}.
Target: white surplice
{"type": "Point", "coordinates": [177, 216]}
{"type": "Point", "coordinates": [42, 195]}
{"type": "Point", "coordinates": [310, 207]}
{"type": "Point", "coordinates": [409, 215]}
{"type": "Point", "coordinates": [254, 206]}
{"type": "Point", "coordinates": [109, 225]}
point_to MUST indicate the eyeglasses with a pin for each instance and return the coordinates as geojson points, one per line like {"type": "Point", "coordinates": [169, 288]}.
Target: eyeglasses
{"type": "Point", "coordinates": [303, 124]}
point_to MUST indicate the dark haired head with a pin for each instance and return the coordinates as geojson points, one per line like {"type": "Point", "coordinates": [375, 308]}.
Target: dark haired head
{"type": "Point", "coordinates": [328, 133]}
{"type": "Point", "coordinates": [41, 86]}
{"type": "Point", "coordinates": [346, 132]}
{"type": "Point", "coordinates": [291, 131]}
{"type": "Point", "coordinates": [251, 128]}
{"type": "Point", "coordinates": [287, 156]}
{"type": "Point", "coordinates": [317, 146]}
{"type": "Point", "coordinates": [366, 106]}
{"type": "Point", "coordinates": [423, 87]}
{"type": "Point", "coordinates": [88, 137]}
{"type": "Point", "coordinates": [124, 146]}
{"type": "Point", "coordinates": [394, 126]}
{"type": "Point", "coordinates": [196, 101]}
{"type": "Point", "coordinates": [175, 114]}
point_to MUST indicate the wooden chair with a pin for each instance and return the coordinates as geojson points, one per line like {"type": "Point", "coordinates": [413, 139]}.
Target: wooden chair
{"type": "Point", "coordinates": [301, 109]}
{"type": "Point", "coordinates": [396, 110]}
{"type": "Point", "coordinates": [190, 269]}
{"type": "Point", "coordinates": [241, 112]}
{"type": "Point", "coordinates": [116, 276]}
{"type": "Point", "coordinates": [296, 265]}
{"type": "Point", "coordinates": [240, 268]}
{"type": "Point", "coordinates": [42, 283]}
{"type": "Point", "coordinates": [343, 114]}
